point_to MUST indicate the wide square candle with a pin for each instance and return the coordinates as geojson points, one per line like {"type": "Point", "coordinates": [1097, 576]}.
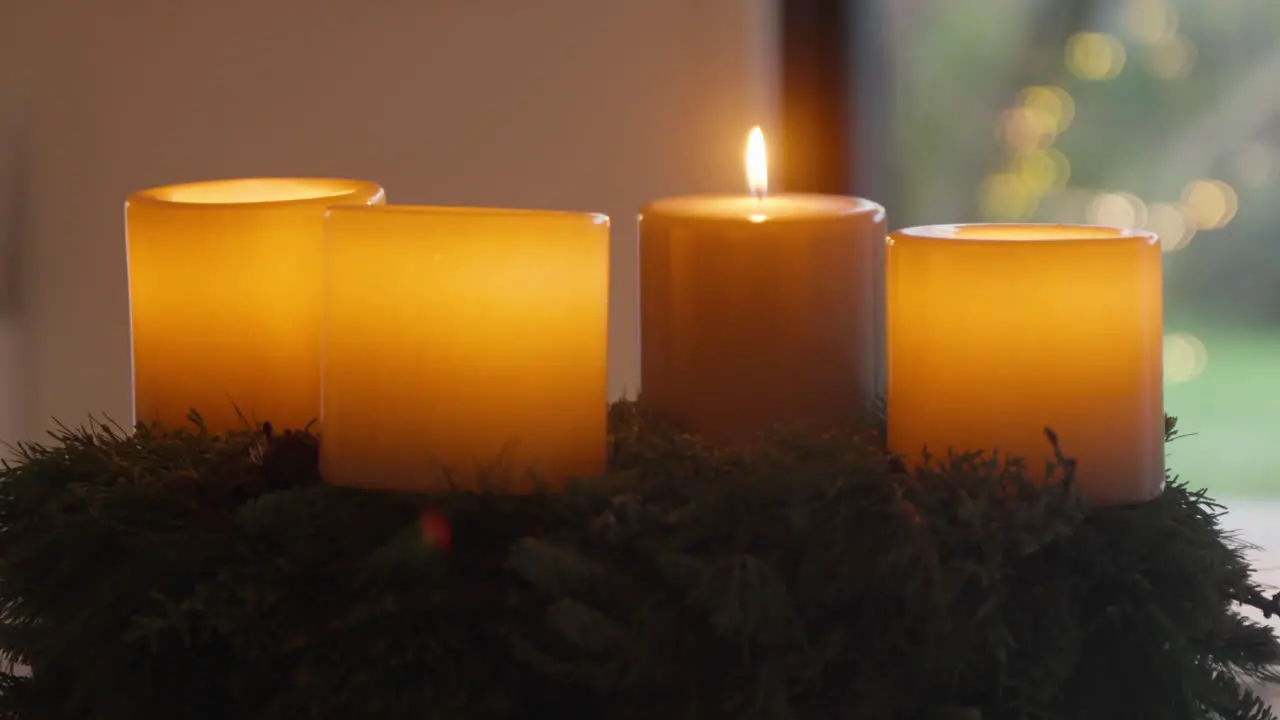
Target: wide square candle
{"type": "Point", "coordinates": [997, 332]}
{"type": "Point", "coordinates": [464, 347]}
{"type": "Point", "coordinates": [761, 310]}
{"type": "Point", "coordinates": [225, 286]}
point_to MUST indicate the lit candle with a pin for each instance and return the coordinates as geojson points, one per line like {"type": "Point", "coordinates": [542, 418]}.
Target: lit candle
{"type": "Point", "coordinates": [226, 290]}
{"type": "Point", "coordinates": [996, 332]}
{"type": "Point", "coordinates": [760, 310]}
{"type": "Point", "coordinates": [460, 341]}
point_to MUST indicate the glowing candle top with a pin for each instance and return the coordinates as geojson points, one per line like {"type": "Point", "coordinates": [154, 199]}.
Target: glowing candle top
{"type": "Point", "coordinates": [758, 206]}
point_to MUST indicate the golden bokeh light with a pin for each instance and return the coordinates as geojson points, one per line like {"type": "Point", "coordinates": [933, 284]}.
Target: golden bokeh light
{"type": "Point", "coordinates": [1171, 58]}
{"type": "Point", "coordinates": [1041, 170]}
{"type": "Point", "coordinates": [1150, 21]}
{"type": "Point", "coordinates": [1209, 204]}
{"type": "Point", "coordinates": [1062, 165]}
{"type": "Point", "coordinates": [1167, 222]}
{"type": "Point", "coordinates": [1095, 56]}
{"type": "Point", "coordinates": [1051, 105]}
{"type": "Point", "coordinates": [1005, 197]}
{"type": "Point", "coordinates": [1185, 358]}
{"type": "Point", "coordinates": [1024, 128]}
{"type": "Point", "coordinates": [1117, 209]}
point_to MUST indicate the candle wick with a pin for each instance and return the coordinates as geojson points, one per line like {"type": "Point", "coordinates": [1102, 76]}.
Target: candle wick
{"type": "Point", "coordinates": [758, 193]}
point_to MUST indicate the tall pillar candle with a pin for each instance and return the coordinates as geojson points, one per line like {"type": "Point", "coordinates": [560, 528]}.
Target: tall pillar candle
{"type": "Point", "coordinates": [464, 346]}
{"type": "Point", "coordinates": [225, 284]}
{"type": "Point", "coordinates": [759, 311]}
{"type": "Point", "coordinates": [996, 332]}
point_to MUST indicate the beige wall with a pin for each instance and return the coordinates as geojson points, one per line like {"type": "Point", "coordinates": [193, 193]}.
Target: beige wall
{"type": "Point", "coordinates": [574, 104]}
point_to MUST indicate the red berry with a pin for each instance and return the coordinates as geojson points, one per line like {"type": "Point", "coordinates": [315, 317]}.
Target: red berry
{"type": "Point", "coordinates": [435, 529]}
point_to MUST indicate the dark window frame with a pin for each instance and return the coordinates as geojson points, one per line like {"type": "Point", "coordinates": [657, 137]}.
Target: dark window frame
{"type": "Point", "coordinates": [836, 98]}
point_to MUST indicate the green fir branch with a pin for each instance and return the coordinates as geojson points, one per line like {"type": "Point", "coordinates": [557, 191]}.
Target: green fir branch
{"type": "Point", "coordinates": [185, 574]}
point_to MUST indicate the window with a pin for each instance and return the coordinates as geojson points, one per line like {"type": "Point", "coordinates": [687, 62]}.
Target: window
{"type": "Point", "coordinates": [1163, 114]}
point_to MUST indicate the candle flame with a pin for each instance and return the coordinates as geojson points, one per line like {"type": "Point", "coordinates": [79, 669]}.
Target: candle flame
{"type": "Point", "coordinates": [757, 163]}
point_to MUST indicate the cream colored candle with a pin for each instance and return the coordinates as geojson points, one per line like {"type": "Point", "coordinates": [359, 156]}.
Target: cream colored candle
{"type": "Point", "coordinates": [996, 332]}
{"type": "Point", "coordinates": [225, 285]}
{"type": "Point", "coordinates": [459, 339]}
{"type": "Point", "coordinates": [762, 310]}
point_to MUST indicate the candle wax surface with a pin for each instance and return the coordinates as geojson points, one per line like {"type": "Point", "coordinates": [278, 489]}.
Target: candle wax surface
{"type": "Point", "coordinates": [226, 288]}
{"type": "Point", "coordinates": [997, 332]}
{"type": "Point", "coordinates": [758, 313]}
{"type": "Point", "coordinates": [463, 340]}
{"type": "Point", "coordinates": [780, 207]}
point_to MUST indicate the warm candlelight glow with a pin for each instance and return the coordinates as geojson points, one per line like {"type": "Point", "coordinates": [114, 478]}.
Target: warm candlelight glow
{"type": "Point", "coordinates": [761, 311]}
{"type": "Point", "coordinates": [996, 332]}
{"type": "Point", "coordinates": [757, 163]}
{"type": "Point", "coordinates": [226, 286]}
{"type": "Point", "coordinates": [457, 339]}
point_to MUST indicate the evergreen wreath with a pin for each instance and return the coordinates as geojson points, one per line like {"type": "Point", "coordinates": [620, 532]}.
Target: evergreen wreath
{"type": "Point", "coordinates": [182, 574]}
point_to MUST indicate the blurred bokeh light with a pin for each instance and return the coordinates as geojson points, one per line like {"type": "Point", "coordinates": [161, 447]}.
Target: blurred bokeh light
{"type": "Point", "coordinates": [1150, 21]}
{"type": "Point", "coordinates": [1185, 358]}
{"type": "Point", "coordinates": [1005, 197]}
{"type": "Point", "coordinates": [1171, 58]}
{"type": "Point", "coordinates": [1166, 221]}
{"type": "Point", "coordinates": [1209, 204]}
{"type": "Point", "coordinates": [1095, 56]}
{"type": "Point", "coordinates": [1117, 209]}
